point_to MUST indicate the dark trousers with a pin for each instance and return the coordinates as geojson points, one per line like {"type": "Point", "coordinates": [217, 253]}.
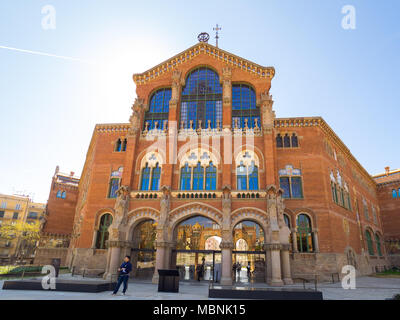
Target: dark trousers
{"type": "Point", "coordinates": [122, 279]}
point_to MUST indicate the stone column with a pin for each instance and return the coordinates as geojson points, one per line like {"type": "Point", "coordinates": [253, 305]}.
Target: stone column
{"type": "Point", "coordinates": [315, 236]}
{"type": "Point", "coordinates": [226, 255]}
{"type": "Point", "coordinates": [160, 258]}
{"type": "Point", "coordinates": [276, 277]}
{"type": "Point", "coordinates": [94, 238]}
{"type": "Point", "coordinates": [285, 262]}
{"type": "Point", "coordinates": [115, 260]}
{"type": "Point", "coordinates": [294, 240]}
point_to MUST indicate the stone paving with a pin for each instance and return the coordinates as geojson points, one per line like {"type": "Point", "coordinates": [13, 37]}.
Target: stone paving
{"type": "Point", "coordinates": [368, 288]}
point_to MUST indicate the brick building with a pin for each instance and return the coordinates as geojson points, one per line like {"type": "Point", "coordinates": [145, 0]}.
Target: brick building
{"type": "Point", "coordinates": [388, 186]}
{"type": "Point", "coordinates": [60, 212]}
{"type": "Point", "coordinates": [203, 148]}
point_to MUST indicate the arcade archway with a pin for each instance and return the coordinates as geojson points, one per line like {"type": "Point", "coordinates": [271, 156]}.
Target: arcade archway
{"type": "Point", "coordinates": [197, 255]}
{"type": "Point", "coordinates": [248, 256]}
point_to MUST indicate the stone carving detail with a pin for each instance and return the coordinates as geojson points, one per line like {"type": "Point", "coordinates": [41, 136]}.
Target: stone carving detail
{"type": "Point", "coordinates": [121, 211]}
{"type": "Point", "coordinates": [268, 115]}
{"type": "Point", "coordinates": [164, 206]}
{"type": "Point", "coordinates": [227, 85]}
{"type": "Point", "coordinates": [177, 83]}
{"type": "Point", "coordinates": [134, 119]}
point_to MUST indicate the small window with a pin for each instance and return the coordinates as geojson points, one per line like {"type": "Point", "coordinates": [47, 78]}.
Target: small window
{"type": "Point", "coordinates": [59, 194]}
{"type": "Point", "coordinates": [124, 143]}
{"type": "Point", "coordinates": [1, 214]}
{"type": "Point", "coordinates": [15, 215]}
{"type": "Point", "coordinates": [286, 141]}
{"type": "Point", "coordinates": [18, 206]}
{"type": "Point", "coordinates": [63, 195]}
{"type": "Point", "coordinates": [118, 145]}
{"type": "Point", "coordinates": [4, 205]}
{"type": "Point", "coordinates": [279, 141]}
{"type": "Point", "coordinates": [369, 243]}
{"type": "Point", "coordinates": [295, 141]}
{"type": "Point", "coordinates": [32, 215]}
{"type": "Point", "coordinates": [394, 193]}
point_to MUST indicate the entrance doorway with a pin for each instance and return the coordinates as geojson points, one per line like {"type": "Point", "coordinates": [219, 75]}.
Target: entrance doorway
{"type": "Point", "coordinates": [197, 253]}
{"type": "Point", "coordinates": [144, 253]}
{"type": "Point", "coordinates": [248, 256]}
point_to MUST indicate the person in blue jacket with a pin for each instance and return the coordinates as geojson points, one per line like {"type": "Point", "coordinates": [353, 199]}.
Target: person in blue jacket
{"type": "Point", "coordinates": [124, 270]}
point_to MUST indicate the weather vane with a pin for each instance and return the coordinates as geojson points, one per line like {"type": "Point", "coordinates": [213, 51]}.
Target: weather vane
{"type": "Point", "coordinates": [203, 37]}
{"type": "Point", "coordinates": [216, 29]}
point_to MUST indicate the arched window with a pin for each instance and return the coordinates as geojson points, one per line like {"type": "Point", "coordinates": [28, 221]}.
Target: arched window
{"type": "Point", "coordinates": [340, 190]}
{"type": "Point", "coordinates": [305, 239]}
{"type": "Point", "coordinates": [186, 177]}
{"type": "Point", "coordinates": [155, 178]}
{"type": "Point", "coordinates": [245, 113]}
{"type": "Point", "coordinates": [291, 182]}
{"type": "Point", "coordinates": [369, 243]}
{"type": "Point", "coordinates": [63, 195]}
{"type": "Point", "coordinates": [394, 194]}
{"type": "Point", "coordinates": [286, 141]}
{"type": "Point", "coordinates": [279, 141]}
{"type": "Point", "coordinates": [287, 220]}
{"type": "Point", "coordinates": [211, 177]}
{"type": "Point", "coordinates": [59, 194]}
{"type": "Point", "coordinates": [365, 206]}
{"type": "Point", "coordinates": [124, 143]}
{"type": "Point", "coordinates": [102, 233]}
{"type": "Point", "coordinates": [157, 114]}
{"type": "Point", "coordinates": [114, 183]}
{"type": "Point", "coordinates": [145, 181]}
{"type": "Point", "coordinates": [378, 244]}
{"type": "Point", "coordinates": [201, 100]}
{"type": "Point", "coordinates": [198, 177]}
{"type": "Point", "coordinates": [241, 174]}
{"type": "Point", "coordinates": [118, 145]}
{"type": "Point", "coordinates": [295, 141]}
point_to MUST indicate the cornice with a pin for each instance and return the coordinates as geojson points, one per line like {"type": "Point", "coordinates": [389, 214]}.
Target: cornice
{"type": "Point", "coordinates": [320, 122]}
{"type": "Point", "coordinates": [112, 127]}
{"type": "Point", "coordinates": [196, 50]}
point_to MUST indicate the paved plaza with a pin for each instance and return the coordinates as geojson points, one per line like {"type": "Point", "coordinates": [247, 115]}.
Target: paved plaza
{"type": "Point", "coordinates": [368, 288]}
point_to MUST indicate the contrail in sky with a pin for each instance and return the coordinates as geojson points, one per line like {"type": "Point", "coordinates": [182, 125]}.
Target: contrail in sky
{"type": "Point", "coordinates": [46, 54]}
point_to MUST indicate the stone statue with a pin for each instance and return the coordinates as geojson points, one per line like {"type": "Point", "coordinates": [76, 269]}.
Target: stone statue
{"type": "Point", "coordinates": [268, 115]}
{"type": "Point", "coordinates": [121, 206]}
{"type": "Point", "coordinates": [226, 84]}
{"type": "Point", "coordinates": [134, 119]}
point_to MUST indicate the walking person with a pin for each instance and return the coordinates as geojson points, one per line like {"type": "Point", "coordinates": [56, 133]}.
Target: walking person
{"type": "Point", "coordinates": [124, 270]}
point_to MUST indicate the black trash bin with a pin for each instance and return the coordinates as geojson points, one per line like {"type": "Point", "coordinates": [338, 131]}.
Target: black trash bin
{"type": "Point", "coordinates": [56, 264]}
{"type": "Point", "coordinates": [168, 281]}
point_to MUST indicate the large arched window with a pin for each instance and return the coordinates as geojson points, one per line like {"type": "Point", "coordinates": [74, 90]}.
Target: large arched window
{"type": "Point", "coordinates": [150, 179]}
{"type": "Point", "coordinates": [305, 239]}
{"type": "Point", "coordinates": [245, 113]}
{"type": "Point", "coordinates": [378, 244]}
{"type": "Point", "coordinates": [102, 233]}
{"type": "Point", "coordinates": [370, 245]}
{"type": "Point", "coordinates": [202, 100]}
{"type": "Point", "coordinates": [157, 114]}
{"type": "Point", "coordinates": [211, 177]}
{"type": "Point", "coordinates": [394, 193]}
{"type": "Point", "coordinates": [241, 174]}
{"type": "Point", "coordinates": [291, 183]}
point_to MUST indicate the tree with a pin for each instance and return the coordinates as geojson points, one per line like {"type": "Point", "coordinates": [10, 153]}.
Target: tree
{"type": "Point", "coordinates": [26, 236]}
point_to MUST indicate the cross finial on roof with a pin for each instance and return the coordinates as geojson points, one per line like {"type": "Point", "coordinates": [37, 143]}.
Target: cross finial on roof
{"type": "Point", "coordinates": [216, 29]}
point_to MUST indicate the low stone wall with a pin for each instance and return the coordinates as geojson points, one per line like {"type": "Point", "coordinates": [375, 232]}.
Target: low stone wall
{"type": "Point", "coordinates": [44, 256]}
{"type": "Point", "coordinates": [90, 262]}
{"type": "Point", "coordinates": [394, 260]}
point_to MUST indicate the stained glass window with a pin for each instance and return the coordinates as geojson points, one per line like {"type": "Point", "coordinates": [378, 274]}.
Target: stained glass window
{"type": "Point", "coordinates": [297, 190]}
{"type": "Point", "coordinates": [305, 241]}
{"type": "Point", "coordinates": [63, 195]}
{"type": "Point", "coordinates": [285, 186]}
{"type": "Point", "coordinates": [155, 178]}
{"type": "Point", "coordinates": [201, 99]}
{"type": "Point", "coordinates": [211, 177]}
{"type": "Point", "coordinates": [145, 183]}
{"type": "Point", "coordinates": [102, 233]}
{"type": "Point", "coordinates": [198, 177]}
{"type": "Point", "coordinates": [244, 106]}
{"type": "Point", "coordinates": [186, 177]}
{"type": "Point", "coordinates": [394, 194]}
{"type": "Point", "coordinates": [291, 182]}
{"type": "Point", "coordinates": [158, 109]}
{"type": "Point", "coordinates": [59, 194]}
{"type": "Point", "coordinates": [114, 185]}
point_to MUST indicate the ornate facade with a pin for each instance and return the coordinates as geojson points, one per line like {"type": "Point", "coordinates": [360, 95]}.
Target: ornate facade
{"type": "Point", "coordinates": [203, 140]}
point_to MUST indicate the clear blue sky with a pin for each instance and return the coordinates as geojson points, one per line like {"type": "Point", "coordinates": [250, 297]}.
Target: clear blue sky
{"type": "Point", "coordinates": [49, 106]}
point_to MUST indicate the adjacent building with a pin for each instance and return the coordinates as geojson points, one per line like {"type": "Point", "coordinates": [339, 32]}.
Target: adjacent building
{"type": "Point", "coordinates": [21, 221]}
{"type": "Point", "coordinates": [60, 212]}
